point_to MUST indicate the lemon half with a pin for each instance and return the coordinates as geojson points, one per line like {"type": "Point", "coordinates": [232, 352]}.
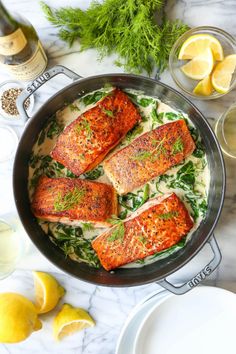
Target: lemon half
{"type": "Point", "coordinates": [200, 66]}
{"type": "Point", "coordinates": [18, 318]}
{"type": "Point", "coordinates": [48, 291]}
{"type": "Point", "coordinates": [197, 44]}
{"type": "Point", "coordinates": [70, 320]}
{"type": "Point", "coordinates": [222, 74]}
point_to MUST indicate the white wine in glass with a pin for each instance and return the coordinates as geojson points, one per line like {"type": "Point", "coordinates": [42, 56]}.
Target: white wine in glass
{"type": "Point", "coordinates": [10, 249]}
{"type": "Point", "coordinates": [225, 130]}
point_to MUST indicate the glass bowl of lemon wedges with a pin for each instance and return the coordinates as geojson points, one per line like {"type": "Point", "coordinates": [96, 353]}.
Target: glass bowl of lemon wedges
{"type": "Point", "coordinates": [202, 62]}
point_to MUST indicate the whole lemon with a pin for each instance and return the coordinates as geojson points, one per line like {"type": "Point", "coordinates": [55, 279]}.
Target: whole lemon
{"type": "Point", "coordinates": [18, 318]}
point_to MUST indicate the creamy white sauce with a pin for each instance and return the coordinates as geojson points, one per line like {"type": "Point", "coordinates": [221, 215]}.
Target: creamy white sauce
{"type": "Point", "coordinates": [65, 116]}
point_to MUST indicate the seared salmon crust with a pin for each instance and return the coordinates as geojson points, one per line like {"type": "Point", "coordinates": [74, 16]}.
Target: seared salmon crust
{"type": "Point", "coordinates": [159, 224]}
{"type": "Point", "coordinates": [96, 202]}
{"type": "Point", "coordinates": [149, 156]}
{"type": "Point", "coordinates": [87, 140]}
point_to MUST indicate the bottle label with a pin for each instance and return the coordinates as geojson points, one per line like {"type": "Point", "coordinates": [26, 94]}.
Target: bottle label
{"type": "Point", "coordinates": [13, 43]}
{"type": "Point", "coordinates": [30, 69]}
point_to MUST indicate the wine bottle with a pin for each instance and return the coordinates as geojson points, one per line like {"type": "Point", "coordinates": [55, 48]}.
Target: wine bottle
{"type": "Point", "coordinates": [21, 52]}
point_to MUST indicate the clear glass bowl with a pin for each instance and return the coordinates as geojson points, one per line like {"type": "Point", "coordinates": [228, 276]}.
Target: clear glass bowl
{"type": "Point", "coordinates": [183, 82]}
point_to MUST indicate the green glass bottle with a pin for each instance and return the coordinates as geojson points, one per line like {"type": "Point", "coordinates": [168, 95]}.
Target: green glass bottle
{"type": "Point", "coordinates": [21, 52]}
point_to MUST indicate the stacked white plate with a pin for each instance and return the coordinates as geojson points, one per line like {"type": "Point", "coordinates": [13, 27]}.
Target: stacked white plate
{"type": "Point", "coordinates": [202, 321]}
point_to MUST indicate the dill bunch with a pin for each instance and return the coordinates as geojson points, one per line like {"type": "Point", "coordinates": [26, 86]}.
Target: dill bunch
{"type": "Point", "coordinates": [126, 27]}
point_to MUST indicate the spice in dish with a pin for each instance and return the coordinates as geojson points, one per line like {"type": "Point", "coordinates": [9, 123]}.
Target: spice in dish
{"type": "Point", "coordinates": [8, 101]}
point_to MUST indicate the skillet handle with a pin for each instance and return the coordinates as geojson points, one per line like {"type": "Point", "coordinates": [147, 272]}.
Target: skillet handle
{"type": "Point", "coordinates": [205, 272]}
{"type": "Point", "coordinates": [40, 81]}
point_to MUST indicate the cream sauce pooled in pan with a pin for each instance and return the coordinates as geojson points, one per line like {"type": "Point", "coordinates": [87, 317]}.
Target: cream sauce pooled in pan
{"type": "Point", "coordinates": [189, 180]}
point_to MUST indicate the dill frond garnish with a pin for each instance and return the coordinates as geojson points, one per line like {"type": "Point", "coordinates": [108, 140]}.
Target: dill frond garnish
{"type": "Point", "coordinates": [125, 27]}
{"type": "Point", "coordinates": [84, 125]}
{"type": "Point", "coordinates": [169, 215]}
{"type": "Point", "coordinates": [68, 200]}
{"type": "Point", "coordinates": [119, 231]}
{"type": "Point", "coordinates": [154, 154]}
{"type": "Point", "coordinates": [108, 112]}
{"type": "Point", "coordinates": [178, 146]}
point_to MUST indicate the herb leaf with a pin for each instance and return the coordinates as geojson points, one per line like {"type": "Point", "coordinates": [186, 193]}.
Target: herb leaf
{"type": "Point", "coordinates": [84, 125]}
{"type": "Point", "coordinates": [108, 112]}
{"type": "Point", "coordinates": [126, 27]}
{"type": "Point", "coordinates": [154, 154]}
{"type": "Point", "coordinates": [68, 200]}
{"type": "Point", "coordinates": [118, 232]}
{"type": "Point", "coordinates": [72, 242]}
{"type": "Point", "coordinates": [87, 226]}
{"type": "Point", "coordinates": [178, 146]}
{"type": "Point", "coordinates": [93, 97]}
{"type": "Point", "coordinates": [94, 174]}
{"type": "Point", "coordinates": [132, 201]}
{"type": "Point", "coordinates": [168, 215]}
{"type": "Point", "coordinates": [145, 102]}
{"type": "Point", "coordinates": [138, 129]}
{"type": "Point", "coordinates": [156, 118]}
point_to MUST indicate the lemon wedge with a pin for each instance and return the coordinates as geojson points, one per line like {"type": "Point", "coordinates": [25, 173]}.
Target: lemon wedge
{"type": "Point", "coordinates": [200, 66]}
{"type": "Point", "coordinates": [48, 291]}
{"type": "Point", "coordinates": [222, 74]}
{"type": "Point", "coordinates": [70, 320]}
{"type": "Point", "coordinates": [204, 87]}
{"type": "Point", "coordinates": [197, 44]}
{"type": "Point", "coordinates": [18, 318]}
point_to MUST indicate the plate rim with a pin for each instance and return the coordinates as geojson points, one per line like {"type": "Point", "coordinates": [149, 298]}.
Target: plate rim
{"type": "Point", "coordinates": [156, 305]}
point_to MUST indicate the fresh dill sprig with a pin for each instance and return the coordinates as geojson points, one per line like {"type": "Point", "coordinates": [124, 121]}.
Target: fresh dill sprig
{"type": "Point", "coordinates": [68, 200]}
{"type": "Point", "coordinates": [143, 155]}
{"type": "Point", "coordinates": [169, 215]}
{"type": "Point", "coordinates": [118, 232]}
{"type": "Point", "coordinates": [125, 27]}
{"type": "Point", "coordinates": [178, 146]}
{"type": "Point", "coordinates": [108, 112]}
{"type": "Point", "coordinates": [84, 125]}
{"type": "Point", "coordinates": [153, 154]}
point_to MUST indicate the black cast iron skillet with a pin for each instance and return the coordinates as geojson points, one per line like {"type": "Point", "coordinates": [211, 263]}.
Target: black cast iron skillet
{"type": "Point", "coordinates": [121, 277]}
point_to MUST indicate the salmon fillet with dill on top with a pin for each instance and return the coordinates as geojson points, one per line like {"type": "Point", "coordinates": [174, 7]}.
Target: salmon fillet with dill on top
{"type": "Point", "coordinates": [87, 140]}
{"type": "Point", "coordinates": [159, 224]}
{"type": "Point", "coordinates": [149, 156]}
{"type": "Point", "coordinates": [73, 200]}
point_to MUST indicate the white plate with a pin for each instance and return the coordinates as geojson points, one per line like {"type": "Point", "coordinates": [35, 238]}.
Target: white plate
{"type": "Point", "coordinates": [127, 336]}
{"type": "Point", "coordinates": [201, 321]}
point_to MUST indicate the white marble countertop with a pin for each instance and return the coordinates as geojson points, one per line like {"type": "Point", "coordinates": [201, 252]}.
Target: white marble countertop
{"type": "Point", "coordinates": [110, 306]}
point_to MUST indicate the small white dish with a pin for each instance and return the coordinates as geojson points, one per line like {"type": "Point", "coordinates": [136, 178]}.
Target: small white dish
{"type": "Point", "coordinates": [128, 333]}
{"type": "Point", "coordinates": [13, 119]}
{"type": "Point", "coordinates": [201, 321]}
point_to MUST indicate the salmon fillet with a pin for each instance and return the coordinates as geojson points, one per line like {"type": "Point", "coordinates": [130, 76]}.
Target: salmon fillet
{"type": "Point", "coordinates": [72, 200]}
{"type": "Point", "coordinates": [86, 141]}
{"type": "Point", "coordinates": [156, 226]}
{"type": "Point", "coordinates": [149, 156]}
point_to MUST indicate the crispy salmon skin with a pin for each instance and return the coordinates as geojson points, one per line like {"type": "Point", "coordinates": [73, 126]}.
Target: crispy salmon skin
{"type": "Point", "coordinates": [87, 140]}
{"type": "Point", "coordinates": [158, 225]}
{"type": "Point", "coordinates": [149, 156]}
{"type": "Point", "coordinates": [73, 200]}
